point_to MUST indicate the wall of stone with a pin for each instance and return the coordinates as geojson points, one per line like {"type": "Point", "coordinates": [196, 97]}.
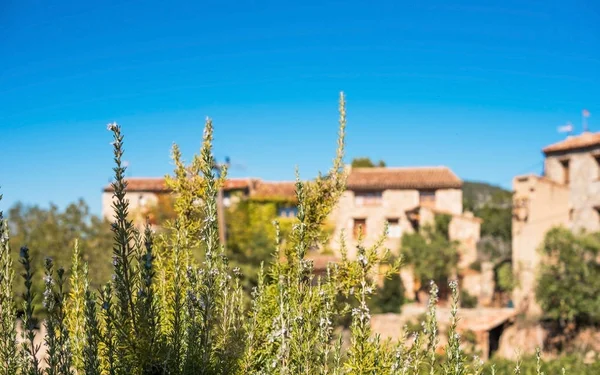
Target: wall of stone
{"type": "Point", "coordinates": [394, 205]}
{"type": "Point", "coordinates": [449, 200]}
{"type": "Point", "coordinates": [539, 204]}
{"type": "Point", "coordinates": [137, 200]}
{"type": "Point", "coordinates": [465, 229]}
{"type": "Point", "coordinates": [584, 185]}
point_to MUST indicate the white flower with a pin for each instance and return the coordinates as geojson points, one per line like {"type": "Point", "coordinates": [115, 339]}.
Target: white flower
{"type": "Point", "coordinates": [325, 322]}
{"type": "Point", "coordinates": [111, 127]}
{"type": "Point", "coordinates": [48, 279]}
{"type": "Point", "coordinates": [363, 260]}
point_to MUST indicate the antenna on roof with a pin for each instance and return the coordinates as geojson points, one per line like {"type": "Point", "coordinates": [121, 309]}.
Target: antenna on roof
{"type": "Point", "coordinates": [584, 116]}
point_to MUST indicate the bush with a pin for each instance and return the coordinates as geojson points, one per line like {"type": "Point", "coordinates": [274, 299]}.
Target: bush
{"type": "Point", "coordinates": [164, 312]}
{"type": "Point", "coordinates": [569, 278]}
{"type": "Point", "coordinates": [467, 300]}
{"type": "Point", "coordinates": [390, 297]}
{"type": "Point", "coordinates": [531, 366]}
{"type": "Point", "coordinates": [431, 253]}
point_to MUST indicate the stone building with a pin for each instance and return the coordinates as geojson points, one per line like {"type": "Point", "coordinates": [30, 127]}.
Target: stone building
{"type": "Point", "coordinates": [145, 193]}
{"type": "Point", "coordinates": [568, 194]}
{"type": "Point", "coordinates": [406, 198]}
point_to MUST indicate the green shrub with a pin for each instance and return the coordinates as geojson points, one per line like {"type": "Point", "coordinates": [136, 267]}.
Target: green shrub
{"type": "Point", "coordinates": [569, 279]}
{"type": "Point", "coordinates": [174, 305]}
{"type": "Point", "coordinates": [529, 366]}
{"type": "Point", "coordinates": [389, 298]}
{"type": "Point", "coordinates": [467, 300]}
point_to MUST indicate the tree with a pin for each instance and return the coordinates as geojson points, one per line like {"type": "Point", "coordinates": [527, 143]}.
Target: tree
{"type": "Point", "coordinates": [364, 162]}
{"type": "Point", "coordinates": [569, 277]}
{"type": "Point", "coordinates": [390, 297]}
{"type": "Point", "coordinates": [251, 236]}
{"type": "Point", "coordinates": [431, 253]}
{"type": "Point", "coordinates": [51, 233]}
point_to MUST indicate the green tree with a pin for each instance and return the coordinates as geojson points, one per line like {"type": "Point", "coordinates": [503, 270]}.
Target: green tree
{"type": "Point", "coordinates": [390, 296]}
{"type": "Point", "coordinates": [251, 234]}
{"type": "Point", "coordinates": [364, 162]}
{"type": "Point", "coordinates": [505, 281]}
{"type": "Point", "coordinates": [569, 277]}
{"type": "Point", "coordinates": [52, 233]}
{"type": "Point", "coordinates": [430, 252]}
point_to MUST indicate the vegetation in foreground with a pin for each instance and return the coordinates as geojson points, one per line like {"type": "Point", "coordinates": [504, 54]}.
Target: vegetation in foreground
{"type": "Point", "coordinates": [174, 305]}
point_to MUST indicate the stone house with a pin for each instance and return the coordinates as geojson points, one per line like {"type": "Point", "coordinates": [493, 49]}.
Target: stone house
{"type": "Point", "coordinates": [568, 194]}
{"type": "Point", "coordinates": [406, 198]}
{"type": "Point", "coordinates": [147, 192]}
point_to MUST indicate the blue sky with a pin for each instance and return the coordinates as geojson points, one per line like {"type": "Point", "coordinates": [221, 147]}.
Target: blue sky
{"type": "Point", "coordinates": [479, 86]}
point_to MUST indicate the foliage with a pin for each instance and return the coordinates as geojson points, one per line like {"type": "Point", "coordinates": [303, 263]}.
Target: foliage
{"type": "Point", "coordinates": [164, 312]}
{"type": "Point", "coordinates": [431, 254]}
{"type": "Point", "coordinates": [364, 162]}
{"type": "Point", "coordinates": [8, 311]}
{"type": "Point", "coordinates": [52, 233]}
{"type": "Point", "coordinates": [569, 277]}
{"type": "Point", "coordinates": [572, 364]}
{"type": "Point", "coordinates": [496, 229]}
{"type": "Point", "coordinates": [467, 300]}
{"type": "Point", "coordinates": [160, 212]}
{"type": "Point", "coordinates": [250, 235]}
{"type": "Point", "coordinates": [504, 277]}
{"type": "Point", "coordinates": [478, 194]}
{"type": "Point", "coordinates": [390, 296]}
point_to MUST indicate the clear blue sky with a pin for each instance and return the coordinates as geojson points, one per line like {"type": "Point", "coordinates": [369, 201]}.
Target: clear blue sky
{"type": "Point", "coordinates": [478, 86]}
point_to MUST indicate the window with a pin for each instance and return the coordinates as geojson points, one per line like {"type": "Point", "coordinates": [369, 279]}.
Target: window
{"type": "Point", "coordinates": [368, 198]}
{"type": "Point", "coordinates": [284, 211]}
{"type": "Point", "coordinates": [360, 226]}
{"type": "Point", "coordinates": [597, 158]}
{"type": "Point", "coordinates": [565, 165]}
{"type": "Point", "coordinates": [427, 197]}
{"type": "Point", "coordinates": [394, 230]}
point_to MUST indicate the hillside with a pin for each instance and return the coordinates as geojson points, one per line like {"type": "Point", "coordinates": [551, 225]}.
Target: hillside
{"type": "Point", "coordinates": [477, 194]}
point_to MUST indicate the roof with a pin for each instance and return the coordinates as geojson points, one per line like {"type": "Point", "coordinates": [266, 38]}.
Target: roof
{"type": "Point", "coordinates": [143, 184]}
{"type": "Point", "coordinates": [159, 185]}
{"type": "Point", "coordinates": [265, 189]}
{"type": "Point", "coordinates": [402, 178]}
{"type": "Point", "coordinates": [583, 140]}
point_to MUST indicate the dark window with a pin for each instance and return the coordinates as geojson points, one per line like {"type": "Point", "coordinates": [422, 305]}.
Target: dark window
{"type": "Point", "coordinates": [566, 172]}
{"type": "Point", "coordinates": [597, 158]}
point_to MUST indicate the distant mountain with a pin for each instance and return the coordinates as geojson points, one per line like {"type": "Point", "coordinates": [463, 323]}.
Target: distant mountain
{"type": "Point", "coordinates": [477, 194]}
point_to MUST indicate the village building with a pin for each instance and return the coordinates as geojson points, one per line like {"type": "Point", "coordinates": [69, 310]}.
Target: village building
{"type": "Point", "coordinates": [567, 194]}
{"type": "Point", "coordinates": [405, 199]}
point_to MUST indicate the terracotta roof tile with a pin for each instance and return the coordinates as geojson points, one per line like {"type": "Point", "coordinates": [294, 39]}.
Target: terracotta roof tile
{"type": "Point", "coordinates": [158, 184]}
{"type": "Point", "coordinates": [283, 190]}
{"type": "Point", "coordinates": [402, 178]}
{"type": "Point", "coordinates": [150, 184]}
{"type": "Point", "coordinates": [574, 142]}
